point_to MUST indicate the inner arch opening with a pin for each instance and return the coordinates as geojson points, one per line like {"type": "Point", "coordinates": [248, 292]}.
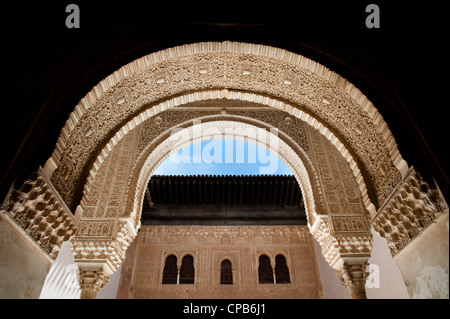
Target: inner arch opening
{"type": "Point", "coordinates": [223, 157]}
{"type": "Point", "coordinates": [223, 181]}
{"type": "Point", "coordinates": [220, 129]}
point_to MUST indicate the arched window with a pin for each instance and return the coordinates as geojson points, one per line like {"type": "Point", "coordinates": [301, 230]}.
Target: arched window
{"type": "Point", "coordinates": [170, 271]}
{"type": "Point", "coordinates": [265, 272]}
{"type": "Point", "coordinates": [187, 270]}
{"type": "Point", "coordinates": [226, 273]}
{"type": "Point", "coordinates": [281, 270]}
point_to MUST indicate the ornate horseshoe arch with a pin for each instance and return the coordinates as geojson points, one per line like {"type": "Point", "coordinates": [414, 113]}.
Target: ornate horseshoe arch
{"type": "Point", "coordinates": [120, 132]}
{"type": "Point", "coordinates": [156, 144]}
{"type": "Point", "coordinates": [152, 157]}
{"type": "Point", "coordinates": [319, 92]}
{"type": "Point", "coordinates": [230, 71]}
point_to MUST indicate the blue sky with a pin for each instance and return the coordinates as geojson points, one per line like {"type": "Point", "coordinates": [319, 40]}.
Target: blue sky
{"type": "Point", "coordinates": [223, 157]}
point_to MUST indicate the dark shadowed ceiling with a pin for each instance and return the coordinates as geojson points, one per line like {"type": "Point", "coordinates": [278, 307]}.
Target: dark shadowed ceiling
{"type": "Point", "coordinates": [47, 68]}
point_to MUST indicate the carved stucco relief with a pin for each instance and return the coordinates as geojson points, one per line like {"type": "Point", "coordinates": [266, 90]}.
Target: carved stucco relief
{"type": "Point", "coordinates": [156, 154]}
{"type": "Point", "coordinates": [342, 182]}
{"type": "Point", "coordinates": [279, 73]}
{"type": "Point", "coordinates": [408, 211]}
{"type": "Point", "coordinates": [329, 102]}
{"type": "Point", "coordinates": [39, 210]}
{"type": "Point", "coordinates": [105, 198]}
{"type": "Point", "coordinates": [149, 134]}
{"type": "Point", "coordinates": [209, 246]}
{"type": "Point", "coordinates": [347, 207]}
{"type": "Point", "coordinates": [339, 186]}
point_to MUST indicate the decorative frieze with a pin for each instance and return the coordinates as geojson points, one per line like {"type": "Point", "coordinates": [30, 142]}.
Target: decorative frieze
{"type": "Point", "coordinates": [226, 234]}
{"type": "Point", "coordinates": [349, 224]}
{"type": "Point", "coordinates": [340, 188]}
{"type": "Point", "coordinates": [95, 229]}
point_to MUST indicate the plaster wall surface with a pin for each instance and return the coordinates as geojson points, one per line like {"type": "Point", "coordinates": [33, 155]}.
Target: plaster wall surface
{"type": "Point", "coordinates": [23, 266]}
{"type": "Point", "coordinates": [384, 280]}
{"type": "Point", "coordinates": [424, 262]}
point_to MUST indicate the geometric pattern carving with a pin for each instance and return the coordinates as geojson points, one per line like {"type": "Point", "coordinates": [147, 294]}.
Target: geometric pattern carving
{"type": "Point", "coordinates": [105, 197]}
{"type": "Point", "coordinates": [349, 224]}
{"type": "Point", "coordinates": [338, 246]}
{"type": "Point", "coordinates": [410, 208]}
{"type": "Point", "coordinates": [104, 138]}
{"type": "Point", "coordinates": [293, 131]}
{"type": "Point", "coordinates": [234, 235]}
{"type": "Point", "coordinates": [95, 228]}
{"type": "Point", "coordinates": [87, 248]}
{"type": "Point", "coordinates": [210, 246]}
{"type": "Point", "coordinates": [42, 214]}
{"type": "Point", "coordinates": [340, 189]}
{"type": "Point", "coordinates": [238, 66]}
{"type": "Point", "coordinates": [335, 172]}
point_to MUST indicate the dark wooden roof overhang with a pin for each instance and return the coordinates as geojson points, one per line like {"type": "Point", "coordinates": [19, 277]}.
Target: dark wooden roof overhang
{"type": "Point", "coordinates": [223, 200]}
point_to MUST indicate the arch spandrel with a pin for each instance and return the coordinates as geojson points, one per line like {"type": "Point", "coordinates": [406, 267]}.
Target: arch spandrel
{"type": "Point", "coordinates": [327, 97]}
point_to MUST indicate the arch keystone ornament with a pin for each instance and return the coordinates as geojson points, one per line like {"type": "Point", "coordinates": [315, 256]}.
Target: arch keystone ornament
{"type": "Point", "coordinates": [329, 134]}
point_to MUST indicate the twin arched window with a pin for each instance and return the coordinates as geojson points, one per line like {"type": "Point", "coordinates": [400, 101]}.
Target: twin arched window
{"type": "Point", "coordinates": [265, 270]}
{"type": "Point", "coordinates": [185, 275]}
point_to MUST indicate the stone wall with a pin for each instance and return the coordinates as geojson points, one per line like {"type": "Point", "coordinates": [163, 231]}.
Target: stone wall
{"type": "Point", "coordinates": [141, 275]}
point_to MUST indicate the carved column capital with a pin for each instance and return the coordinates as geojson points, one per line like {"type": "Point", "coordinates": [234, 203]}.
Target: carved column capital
{"type": "Point", "coordinates": [337, 247]}
{"type": "Point", "coordinates": [353, 276]}
{"type": "Point", "coordinates": [98, 258]}
{"type": "Point", "coordinates": [347, 251]}
{"type": "Point", "coordinates": [96, 261]}
{"type": "Point", "coordinates": [92, 280]}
